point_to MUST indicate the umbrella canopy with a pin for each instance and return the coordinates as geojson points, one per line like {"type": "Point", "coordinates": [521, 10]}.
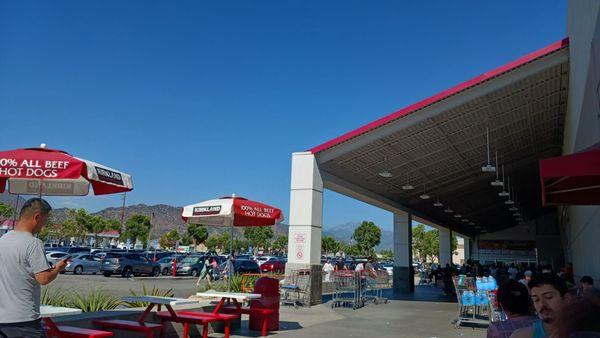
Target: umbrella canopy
{"type": "Point", "coordinates": [231, 211]}
{"type": "Point", "coordinates": [41, 171]}
{"type": "Point", "coordinates": [572, 179]}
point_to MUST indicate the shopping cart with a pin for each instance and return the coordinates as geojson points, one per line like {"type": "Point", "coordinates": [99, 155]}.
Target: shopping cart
{"type": "Point", "coordinates": [373, 285]}
{"type": "Point", "coordinates": [471, 313]}
{"type": "Point", "coordinates": [347, 289]}
{"type": "Point", "coordinates": [295, 288]}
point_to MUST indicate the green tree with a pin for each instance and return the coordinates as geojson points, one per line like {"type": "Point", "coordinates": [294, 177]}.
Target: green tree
{"type": "Point", "coordinates": [75, 224]}
{"type": "Point", "coordinates": [186, 239]}
{"type": "Point", "coordinates": [169, 239]}
{"type": "Point", "coordinates": [259, 237]}
{"type": "Point", "coordinates": [419, 243]}
{"type": "Point", "coordinates": [367, 237]}
{"type": "Point", "coordinates": [197, 233]}
{"type": "Point", "coordinates": [329, 245]}
{"type": "Point", "coordinates": [426, 244]}
{"type": "Point", "coordinates": [6, 211]}
{"type": "Point", "coordinates": [352, 250]}
{"type": "Point", "coordinates": [212, 242]}
{"type": "Point", "coordinates": [137, 227]}
{"type": "Point", "coordinates": [280, 244]}
{"type": "Point", "coordinates": [387, 254]}
{"type": "Point", "coordinates": [51, 230]}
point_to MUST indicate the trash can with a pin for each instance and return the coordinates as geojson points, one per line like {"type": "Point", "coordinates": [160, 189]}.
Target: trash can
{"type": "Point", "coordinates": [268, 288]}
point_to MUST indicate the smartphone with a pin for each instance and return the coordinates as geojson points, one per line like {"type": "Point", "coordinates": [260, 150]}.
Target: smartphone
{"type": "Point", "coordinates": [68, 257]}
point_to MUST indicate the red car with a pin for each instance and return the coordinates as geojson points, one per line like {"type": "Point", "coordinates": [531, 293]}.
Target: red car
{"type": "Point", "coordinates": [273, 265]}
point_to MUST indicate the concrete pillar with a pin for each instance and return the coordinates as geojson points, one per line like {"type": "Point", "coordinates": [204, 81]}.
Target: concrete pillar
{"type": "Point", "coordinates": [445, 246]}
{"type": "Point", "coordinates": [403, 278]}
{"type": "Point", "coordinates": [467, 249]}
{"type": "Point", "coordinates": [306, 221]}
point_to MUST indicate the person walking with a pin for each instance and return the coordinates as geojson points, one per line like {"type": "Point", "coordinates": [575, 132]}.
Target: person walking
{"type": "Point", "coordinates": [23, 269]}
{"type": "Point", "coordinates": [205, 272]}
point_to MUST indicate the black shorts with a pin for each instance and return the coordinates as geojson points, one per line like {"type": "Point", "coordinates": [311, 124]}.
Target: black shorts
{"type": "Point", "coordinates": [32, 329]}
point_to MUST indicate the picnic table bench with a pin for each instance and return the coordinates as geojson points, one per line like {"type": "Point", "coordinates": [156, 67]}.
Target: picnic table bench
{"type": "Point", "coordinates": [63, 331]}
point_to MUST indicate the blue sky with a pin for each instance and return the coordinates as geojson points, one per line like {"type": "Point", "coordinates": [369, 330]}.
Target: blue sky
{"type": "Point", "coordinates": [203, 99]}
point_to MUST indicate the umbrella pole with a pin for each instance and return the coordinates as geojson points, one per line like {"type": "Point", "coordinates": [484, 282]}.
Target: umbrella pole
{"type": "Point", "coordinates": [15, 213]}
{"type": "Point", "coordinates": [231, 273]}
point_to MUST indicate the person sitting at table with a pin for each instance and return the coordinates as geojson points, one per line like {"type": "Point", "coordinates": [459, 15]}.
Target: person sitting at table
{"type": "Point", "coordinates": [23, 268]}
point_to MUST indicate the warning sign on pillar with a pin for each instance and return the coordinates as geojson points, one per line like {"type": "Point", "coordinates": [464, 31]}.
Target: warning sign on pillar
{"type": "Point", "coordinates": [299, 246]}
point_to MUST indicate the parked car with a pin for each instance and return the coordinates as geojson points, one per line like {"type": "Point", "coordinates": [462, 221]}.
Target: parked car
{"type": "Point", "coordinates": [166, 264]}
{"type": "Point", "coordinates": [127, 264]}
{"type": "Point", "coordinates": [274, 265]}
{"type": "Point", "coordinates": [263, 259]}
{"type": "Point", "coordinates": [158, 255]}
{"type": "Point", "coordinates": [389, 267]}
{"type": "Point", "coordinates": [73, 249]}
{"type": "Point", "coordinates": [83, 263]}
{"type": "Point", "coordinates": [192, 265]}
{"type": "Point", "coordinates": [241, 266]}
{"type": "Point", "coordinates": [54, 257]}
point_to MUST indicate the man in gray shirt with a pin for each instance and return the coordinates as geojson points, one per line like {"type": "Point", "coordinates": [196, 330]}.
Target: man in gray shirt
{"type": "Point", "coordinates": [23, 268]}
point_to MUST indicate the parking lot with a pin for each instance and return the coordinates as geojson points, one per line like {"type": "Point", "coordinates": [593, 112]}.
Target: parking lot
{"type": "Point", "coordinates": [119, 286]}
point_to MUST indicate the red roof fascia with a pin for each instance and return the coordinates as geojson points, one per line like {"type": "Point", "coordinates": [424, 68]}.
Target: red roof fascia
{"type": "Point", "coordinates": [444, 94]}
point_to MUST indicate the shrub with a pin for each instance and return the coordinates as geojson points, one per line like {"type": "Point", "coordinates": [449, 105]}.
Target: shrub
{"type": "Point", "coordinates": [236, 284]}
{"type": "Point", "coordinates": [95, 301]}
{"type": "Point", "coordinates": [156, 292]}
{"type": "Point", "coordinates": [55, 297]}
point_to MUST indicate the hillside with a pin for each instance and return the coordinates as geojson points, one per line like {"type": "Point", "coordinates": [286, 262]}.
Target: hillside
{"type": "Point", "coordinates": [9, 199]}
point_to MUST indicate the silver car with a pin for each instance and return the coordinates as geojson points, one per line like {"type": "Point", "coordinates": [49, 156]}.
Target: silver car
{"type": "Point", "coordinates": [83, 263]}
{"type": "Point", "coordinates": [54, 257]}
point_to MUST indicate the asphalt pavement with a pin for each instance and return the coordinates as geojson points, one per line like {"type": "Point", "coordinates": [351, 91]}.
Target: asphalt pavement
{"type": "Point", "coordinates": [119, 286]}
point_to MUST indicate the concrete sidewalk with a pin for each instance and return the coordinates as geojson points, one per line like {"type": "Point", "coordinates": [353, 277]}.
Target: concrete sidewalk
{"type": "Point", "coordinates": [397, 318]}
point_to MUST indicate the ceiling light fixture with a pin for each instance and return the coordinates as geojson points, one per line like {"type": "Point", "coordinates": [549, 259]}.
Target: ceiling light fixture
{"type": "Point", "coordinates": [438, 203]}
{"type": "Point", "coordinates": [497, 182]}
{"type": "Point", "coordinates": [448, 211]}
{"type": "Point", "coordinates": [471, 223]}
{"type": "Point", "coordinates": [517, 214]}
{"type": "Point", "coordinates": [385, 174]}
{"type": "Point", "coordinates": [488, 168]}
{"type": "Point", "coordinates": [458, 216]}
{"type": "Point", "coordinates": [509, 201]}
{"type": "Point", "coordinates": [503, 193]}
{"type": "Point", "coordinates": [407, 186]}
{"type": "Point", "coordinates": [466, 220]}
{"type": "Point", "coordinates": [424, 196]}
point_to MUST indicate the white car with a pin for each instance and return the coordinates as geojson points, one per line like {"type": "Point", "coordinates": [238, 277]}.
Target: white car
{"type": "Point", "coordinates": [54, 256]}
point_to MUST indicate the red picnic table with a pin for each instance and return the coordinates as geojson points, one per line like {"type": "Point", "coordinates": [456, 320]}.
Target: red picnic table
{"type": "Point", "coordinates": [141, 325]}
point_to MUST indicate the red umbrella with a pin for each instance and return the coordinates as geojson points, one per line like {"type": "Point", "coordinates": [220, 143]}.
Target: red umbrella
{"type": "Point", "coordinates": [41, 171]}
{"type": "Point", "coordinates": [231, 211]}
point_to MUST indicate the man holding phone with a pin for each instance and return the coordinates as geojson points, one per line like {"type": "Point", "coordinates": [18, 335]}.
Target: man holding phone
{"type": "Point", "coordinates": [23, 268]}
